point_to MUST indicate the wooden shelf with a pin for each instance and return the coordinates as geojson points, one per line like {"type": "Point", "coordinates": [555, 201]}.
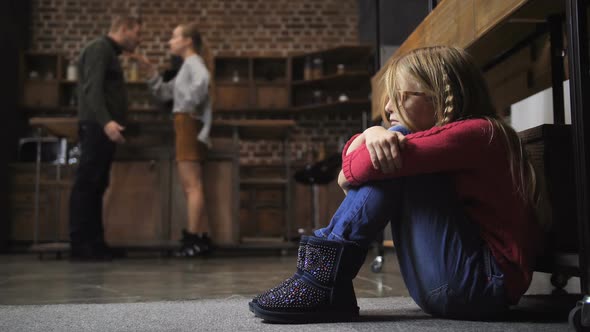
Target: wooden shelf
{"type": "Point", "coordinates": [43, 80]}
{"type": "Point", "coordinates": [149, 109]}
{"type": "Point", "coordinates": [64, 81]}
{"type": "Point", "coordinates": [251, 110]}
{"type": "Point", "coordinates": [138, 82]}
{"type": "Point", "coordinates": [231, 83]}
{"type": "Point", "coordinates": [335, 80]}
{"type": "Point", "coordinates": [347, 106]}
{"type": "Point", "coordinates": [264, 181]}
{"type": "Point", "coordinates": [58, 126]}
{"type": "Point", "coordinates": [342, 53]}
{"type": "Point", "coordinates": [279, 83]}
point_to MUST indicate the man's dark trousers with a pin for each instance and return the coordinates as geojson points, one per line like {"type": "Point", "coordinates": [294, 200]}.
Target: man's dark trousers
{"type": "Point", "coordinates": [91, 182]}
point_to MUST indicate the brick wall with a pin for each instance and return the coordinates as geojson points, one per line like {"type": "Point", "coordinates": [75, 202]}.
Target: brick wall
{"type": "Point", "coordinates": [330, 130]}
{"type": "Point", "coordinates": [229, 27]}
{"type": "Point", "coordinates": [277, 27]}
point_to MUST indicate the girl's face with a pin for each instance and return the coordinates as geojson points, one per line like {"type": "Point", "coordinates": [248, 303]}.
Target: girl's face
{"type": "Point", "coordinates": [178, 43]}
{"type": "Point", "coordinates": [417, 106]}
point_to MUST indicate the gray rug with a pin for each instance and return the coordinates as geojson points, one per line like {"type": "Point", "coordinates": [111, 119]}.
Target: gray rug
{"type": "Point", "coordinates": [232, 314]}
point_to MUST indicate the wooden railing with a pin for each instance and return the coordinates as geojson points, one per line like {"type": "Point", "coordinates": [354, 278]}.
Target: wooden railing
{"type": "Point", "coordinates": [489, 29]}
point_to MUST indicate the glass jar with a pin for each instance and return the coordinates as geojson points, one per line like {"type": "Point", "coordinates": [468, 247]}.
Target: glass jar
{"type": "Point", "coordinates": [318, 68]}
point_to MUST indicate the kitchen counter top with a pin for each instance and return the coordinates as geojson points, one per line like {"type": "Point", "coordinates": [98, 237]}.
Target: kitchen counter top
{"type": "Point", "coordinates": [68, 127]}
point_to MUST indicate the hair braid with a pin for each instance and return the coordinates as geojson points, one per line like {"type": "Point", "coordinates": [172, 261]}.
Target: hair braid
{"type": "Point", "coordinates": [449, 100]}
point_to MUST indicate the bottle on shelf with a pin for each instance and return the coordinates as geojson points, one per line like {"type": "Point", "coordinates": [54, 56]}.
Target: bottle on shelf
{"type": "Point", "coordinates": [72, 71]}
{"type": "Point", "coordinates": [235, 77]}
{"type": "Point", "coordinates": [73, 100]}
{"type": "Point", "coordinates": [307, 69]}
{"type": "Point", "coordinates": [318, 68]}
{"type": "Point", "coordinates": [317, 96]}
{"type": "Point", "coordinates": [322, 152]}
{"type": "Point", "coordinates": [133, 73]}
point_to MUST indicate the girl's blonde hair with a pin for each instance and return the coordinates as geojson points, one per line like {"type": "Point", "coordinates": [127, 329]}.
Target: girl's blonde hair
{"type": "Point", "coordinates": [458, 91]}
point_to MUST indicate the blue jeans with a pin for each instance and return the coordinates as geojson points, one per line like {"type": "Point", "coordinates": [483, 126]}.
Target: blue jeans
{"type": "Point", "coordinates": [447, 267]}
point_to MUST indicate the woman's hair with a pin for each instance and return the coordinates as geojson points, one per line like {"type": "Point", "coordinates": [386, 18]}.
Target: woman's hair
{"type": "Point", "coordinates": [458, 90]}
{"type": "Point", "coordinates": [191, 30]}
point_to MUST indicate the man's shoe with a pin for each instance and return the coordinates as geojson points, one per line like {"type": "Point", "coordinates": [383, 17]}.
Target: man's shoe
{"type": "Point", "coordinates": [90, 253]}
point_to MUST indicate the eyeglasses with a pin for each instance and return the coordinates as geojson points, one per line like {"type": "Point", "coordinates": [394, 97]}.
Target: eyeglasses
{"type": "Point", "coordinates": [403, 94]}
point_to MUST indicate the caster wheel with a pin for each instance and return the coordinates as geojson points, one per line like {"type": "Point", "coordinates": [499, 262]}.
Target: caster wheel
{"type": "Point", "coordinates": [559, 280]}
{"type": "Point", "coordinates": [377, 264]}
{"type": "Point", "coordinates": [575, 319]}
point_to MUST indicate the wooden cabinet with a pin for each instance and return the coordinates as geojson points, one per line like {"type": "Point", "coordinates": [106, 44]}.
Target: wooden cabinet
{"type": "Point", "coordinates": [269, 96]}
{"type": "Point", "coordinates": [46, 90]}
{"type": "Point", "coordinates": [135, 208]}
{"type": "Point", "coordinates": [40, 94]}
{"type": "Point", "coordinates": [53, 202]}
{"type": "Point", "coordinates": [277, 87]}
{"type": "Point", "coordinates": [329, 198]}
{"type": "Point", "coordinates": [245, 83]}
{"type": "Point", "coordinates": [232, 95]}
{"type": "Point", "coordinates": [337, 76]}
{"type": "Point", "coordinates": [220, 178]}
{"type": "Point", "coordinates": [144, 205]}
{"type": "Point", "coordinates": [264, 206]}
{"type": "Point", "coordinates": [340, 82]}
{"type": "Point", "coordinates": [40, 73]}
{"type": "Point", "coordinates": [554, 167]}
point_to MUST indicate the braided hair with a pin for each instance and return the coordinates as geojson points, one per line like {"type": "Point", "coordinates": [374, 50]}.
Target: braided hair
{"type": "Point", "coordinates": [459, 91]}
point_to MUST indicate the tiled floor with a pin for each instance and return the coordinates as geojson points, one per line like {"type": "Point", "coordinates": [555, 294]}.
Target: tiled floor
{"type": "Point", "coordinates": [26, 280]}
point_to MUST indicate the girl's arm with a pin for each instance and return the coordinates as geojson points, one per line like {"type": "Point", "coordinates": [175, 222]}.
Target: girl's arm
{"type": "Point", "coordinates": [379, 140]}
{"type": "Point", "coordinates": [454, 146]}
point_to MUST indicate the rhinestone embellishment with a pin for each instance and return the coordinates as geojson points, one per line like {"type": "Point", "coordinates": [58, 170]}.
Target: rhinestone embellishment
{"type": "Point", "coordinates": [319, 262]}
{"type": "Point", "coordinates": [300, 260]}
{"type": "Point", "coordinates": [296, 294]}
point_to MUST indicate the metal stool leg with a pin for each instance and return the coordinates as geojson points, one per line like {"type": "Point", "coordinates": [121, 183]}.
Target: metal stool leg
{"type": "Point", "coordinates": [377, 264]}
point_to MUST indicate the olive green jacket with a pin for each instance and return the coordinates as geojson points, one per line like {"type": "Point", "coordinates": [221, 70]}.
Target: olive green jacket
{"type": "Point", "coordinates": [102, 95]}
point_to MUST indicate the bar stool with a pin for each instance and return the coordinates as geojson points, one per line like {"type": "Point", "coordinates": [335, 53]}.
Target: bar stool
{"type": "Point", "coordinates": [52, 150]}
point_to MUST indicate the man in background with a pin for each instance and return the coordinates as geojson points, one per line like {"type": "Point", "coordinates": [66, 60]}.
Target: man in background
{"type": "Point", "coordinates": [102, 109]}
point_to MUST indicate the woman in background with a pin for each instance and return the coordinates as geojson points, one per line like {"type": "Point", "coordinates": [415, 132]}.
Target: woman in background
{"type": "Point", "coordinates": [189, 92]}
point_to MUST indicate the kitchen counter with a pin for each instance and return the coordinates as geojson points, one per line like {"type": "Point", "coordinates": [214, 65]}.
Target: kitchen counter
{"type": "Point", "coordinates": [68, 127]}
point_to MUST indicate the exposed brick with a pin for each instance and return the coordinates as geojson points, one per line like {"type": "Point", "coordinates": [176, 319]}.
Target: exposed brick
{"type": "Point", "coordinates": [231, 27]}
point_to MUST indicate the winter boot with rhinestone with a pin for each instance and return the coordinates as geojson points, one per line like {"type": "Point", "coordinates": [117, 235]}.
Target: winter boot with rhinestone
{"type": "Point", "coordinates": [324, 292]}
{"type": "Point", "coordinates": [298, 273]}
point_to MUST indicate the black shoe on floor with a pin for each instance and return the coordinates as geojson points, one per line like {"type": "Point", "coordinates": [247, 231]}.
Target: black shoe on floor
{"type": "Point", "coordinates": [194, 245]}
{"type": "Point", "coordinates": [92, 252]}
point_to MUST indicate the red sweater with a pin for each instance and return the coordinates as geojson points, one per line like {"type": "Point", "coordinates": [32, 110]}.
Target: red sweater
{"type": "Point", "coordinates": [475, 156]}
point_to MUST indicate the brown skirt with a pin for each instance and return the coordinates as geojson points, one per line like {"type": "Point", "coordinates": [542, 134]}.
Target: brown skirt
{"type": "Point", "coordinates": [188, 147]}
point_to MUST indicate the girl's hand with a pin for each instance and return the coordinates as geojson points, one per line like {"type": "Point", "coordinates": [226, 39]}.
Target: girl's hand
{"type": "Point", "coordinates": [384, 148]}
{"type": "Point", "coordinates": [343, 183]}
